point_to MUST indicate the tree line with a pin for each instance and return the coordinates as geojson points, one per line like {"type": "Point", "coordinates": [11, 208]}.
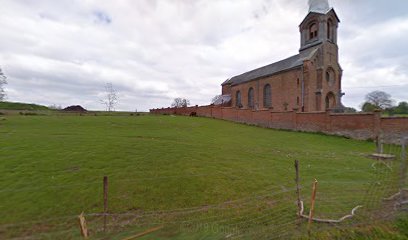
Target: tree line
{"type": "Point", "coordinates": [379, 100]}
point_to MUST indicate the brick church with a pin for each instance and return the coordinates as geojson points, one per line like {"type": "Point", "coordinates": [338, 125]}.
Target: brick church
{"type": "Point", "coordinates": [299, 93]}
{"type": "Point", "coordinates": [307, 82]}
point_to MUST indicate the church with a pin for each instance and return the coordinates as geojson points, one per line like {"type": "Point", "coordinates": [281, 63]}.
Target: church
{"type": "Point", "coordinates": [299, 93]}
{"type": "Point", "coordinates": [307, 82]}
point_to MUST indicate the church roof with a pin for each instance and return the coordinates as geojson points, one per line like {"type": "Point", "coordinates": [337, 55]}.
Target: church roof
{"type": "Point", "coordinates": [223, 100]}
{"type": "Point", "coordinates": [268, 70]}
{"type": "Point", "coordinates": [321, 13]}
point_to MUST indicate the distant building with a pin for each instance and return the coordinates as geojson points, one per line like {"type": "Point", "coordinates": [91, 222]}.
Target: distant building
{"type": "Point", "coordinates": [309, 81]}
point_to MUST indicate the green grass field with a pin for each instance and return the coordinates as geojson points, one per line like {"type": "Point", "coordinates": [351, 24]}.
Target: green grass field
{"type": "Point", "coordinates": [226, 174]}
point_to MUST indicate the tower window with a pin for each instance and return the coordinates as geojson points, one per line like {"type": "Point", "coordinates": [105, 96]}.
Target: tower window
{"type": "Point", "coordinates": [313, 31]}
{"type": "Point", "coordinates": [330, 30]}
{"type": "Point", "coordinates": [330, 77]}
{"type": "Point", "coordinates": [330, 100]}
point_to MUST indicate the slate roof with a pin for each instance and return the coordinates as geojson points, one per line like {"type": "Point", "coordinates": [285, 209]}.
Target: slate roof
{"type": "Point", "coordinates": [321, 13]}
{"type": "Point", "coordinates": [268, 70]}
{"type": "Point", "coordinates": [223, 100]}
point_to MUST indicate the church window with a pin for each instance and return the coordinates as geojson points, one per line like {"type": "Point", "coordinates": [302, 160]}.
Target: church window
{"type": "Point", "coordinates": [313, 31]}
{"type": "Point", "coordinates": [330, 78]}
{"type": "Point", "coordinates": [267, 96]}
{"type": "Point", "coordinates": [330, 101]}
{"type": "Point", "coordinates": [251, 98]}
{"type": "Point", "coordinates": [238, 99]}
{"type": "Point", "coordinates": [330, 30]}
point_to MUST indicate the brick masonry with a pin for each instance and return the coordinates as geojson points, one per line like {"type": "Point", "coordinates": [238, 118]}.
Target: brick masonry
{"type": "Point", "coordinates": [362, 126]}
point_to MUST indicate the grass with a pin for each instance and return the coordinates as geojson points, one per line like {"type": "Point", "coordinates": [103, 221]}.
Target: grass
{"type": "Point", "coordinates": [397, 230]}
{"type": "Point", "coordinates": [395, 115]}
{"type": "Point", "coordinates": [52, 169]}
{"type": "Point", "coordinates": [21, 106]}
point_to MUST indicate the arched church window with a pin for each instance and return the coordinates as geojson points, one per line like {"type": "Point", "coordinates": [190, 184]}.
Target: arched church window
{"type": "Point", "coordinates": [251, 98]}
{"type": "Point", "coordinates": [330, 77]}
{"type": "Point", "coordinates": [313, 31]}
{"type": "Point", "coordinates": [238, 99]}
{"type": "Point", "coordinates": [267, 96]}
{"type": "Point", "coordinates": [330, 30]}
{"type": "Point", "coordinates": [330, 101]}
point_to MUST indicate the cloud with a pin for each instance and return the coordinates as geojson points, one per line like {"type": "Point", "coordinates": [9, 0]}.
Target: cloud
{"type": "Point", "coordinates": [102, 17]}
{"type": "Point", "coordinates": [375, 59]}
{"type": "Point", "coordinates": [63, 52]}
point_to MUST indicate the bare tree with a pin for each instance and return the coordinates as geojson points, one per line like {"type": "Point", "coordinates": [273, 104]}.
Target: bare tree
{"type": "Point", "coordinates": [180, 102]}
{"type": "Point", "coordinates": [379, 99]}
{"type": "Point", "coordinates": [3, 81]}
{"type": "Point", "coordinates": [55, 107]}
{"type": "Point", "coordinates": [111, 97]}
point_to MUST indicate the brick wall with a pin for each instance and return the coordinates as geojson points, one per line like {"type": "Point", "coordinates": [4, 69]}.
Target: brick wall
{"type": "Point", "coordinates": [312, 122]}
{"type": "Point", "coordinates": [394, 128]}
{"type": "Point", "coordinates": [357, 126]}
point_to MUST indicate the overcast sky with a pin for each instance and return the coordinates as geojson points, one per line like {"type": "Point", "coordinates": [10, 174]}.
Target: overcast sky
{"type": "Point", "coordinates": [63, 52]}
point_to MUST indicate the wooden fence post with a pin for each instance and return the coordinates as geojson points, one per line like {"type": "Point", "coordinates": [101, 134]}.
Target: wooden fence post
{"type": "Point", "coordinates": [105, 201]}
{"type": "Point", "coordinates": [82, 226]}
{"type": "Point", "coordinates": [312, 204]}
{"type": "Point", "coordinates": [403, 177]}
{"type": "Point", "coordinates": [404, 148]}
{"type": "Point", "coordinates": [298, 188]}
{"type": "Point", "coordinates": [377, 144]}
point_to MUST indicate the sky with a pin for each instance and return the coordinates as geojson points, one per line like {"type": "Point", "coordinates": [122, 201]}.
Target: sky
{"type": "Point", "coordinates": [64, 52]}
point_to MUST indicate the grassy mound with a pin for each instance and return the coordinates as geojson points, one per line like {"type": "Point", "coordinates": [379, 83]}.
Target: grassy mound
{"type": "Point", "coordinates": [22, 106]}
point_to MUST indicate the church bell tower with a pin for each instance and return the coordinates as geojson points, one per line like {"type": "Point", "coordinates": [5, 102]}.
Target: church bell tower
{"type": "Point", "coordinates": [319, 26]}
{"type": "Point", "coordinates": [318, 47]}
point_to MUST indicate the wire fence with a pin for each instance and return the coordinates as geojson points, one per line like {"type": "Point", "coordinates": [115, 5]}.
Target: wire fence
{"type": "Point", "coordinates": [366, 195]}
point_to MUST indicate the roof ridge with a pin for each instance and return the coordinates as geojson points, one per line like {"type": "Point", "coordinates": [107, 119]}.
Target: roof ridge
{"type": "Point", "coordinates": [271, 64]}
{"type": "Point", "coordinates": [266, 70]}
